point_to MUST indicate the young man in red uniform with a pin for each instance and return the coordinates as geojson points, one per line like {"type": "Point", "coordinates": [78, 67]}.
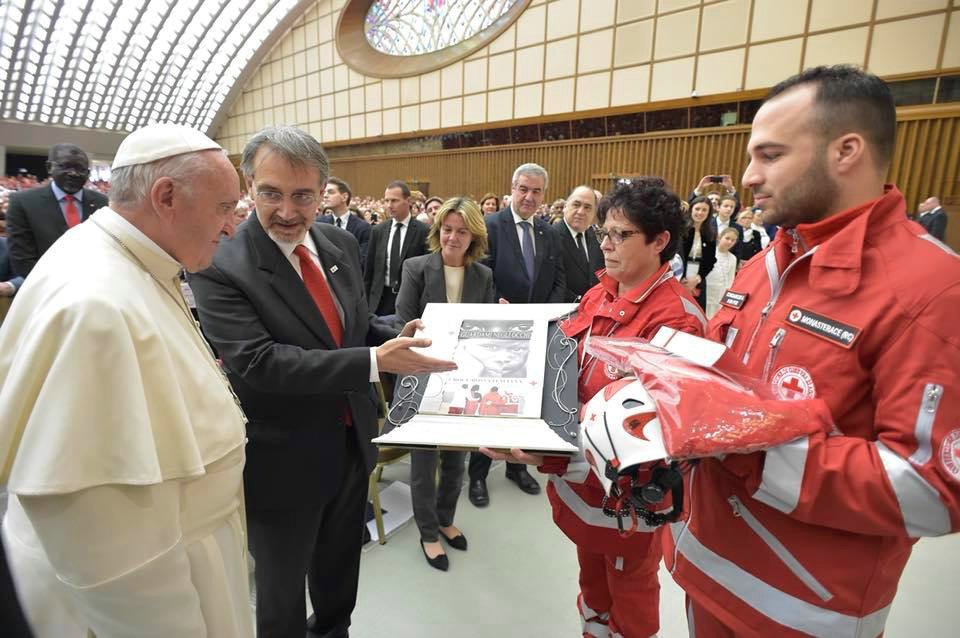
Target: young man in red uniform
{"type": "Point", "coordinates": [637, 294]}
{"type": "Point", "coordinates": [856, 305]}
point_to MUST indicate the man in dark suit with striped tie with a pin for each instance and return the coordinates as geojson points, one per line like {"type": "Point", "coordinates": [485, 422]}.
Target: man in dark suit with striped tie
{"type": "Point", "coordinates": [527, 262]}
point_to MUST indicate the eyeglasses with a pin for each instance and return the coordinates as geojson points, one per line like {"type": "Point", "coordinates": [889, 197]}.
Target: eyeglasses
{"type": "Point", "coordinates": [69, 168]}
{"type": "Point", "coordinates": [616, 236]}
{"type": "Point", "coordinates": [275, 198]}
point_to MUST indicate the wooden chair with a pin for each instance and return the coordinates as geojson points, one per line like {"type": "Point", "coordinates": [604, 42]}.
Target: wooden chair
{"type": "Point", "coordinates": [384, 458]}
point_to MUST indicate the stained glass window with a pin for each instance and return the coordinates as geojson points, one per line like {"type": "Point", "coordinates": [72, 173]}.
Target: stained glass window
{"type": "Point", "coordinates": [415, 27]}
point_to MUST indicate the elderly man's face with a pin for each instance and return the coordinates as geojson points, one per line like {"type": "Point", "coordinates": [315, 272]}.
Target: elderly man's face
{"type": "Point", "coordinates": [527, 195]}
{"type": "Point", "coordinates": [205, 212]}
{"type": "Point", "coordinates": [286, 196]}
{"type": "Point", "coordinates": [579, 209]}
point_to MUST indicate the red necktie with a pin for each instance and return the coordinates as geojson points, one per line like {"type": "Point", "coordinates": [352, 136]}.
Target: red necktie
{"type": "Point", "coordinates": [73, 214]}
{"type": "Point", "coordinates": [317, 287]}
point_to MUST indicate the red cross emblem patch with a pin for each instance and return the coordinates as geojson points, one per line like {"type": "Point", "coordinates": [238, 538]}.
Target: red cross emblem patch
{"type": "Point", "coordinates": [792, 383]}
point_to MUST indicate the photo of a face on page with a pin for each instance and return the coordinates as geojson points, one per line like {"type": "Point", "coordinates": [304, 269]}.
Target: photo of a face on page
{"type": "Point", "coordinates": [495, 348]}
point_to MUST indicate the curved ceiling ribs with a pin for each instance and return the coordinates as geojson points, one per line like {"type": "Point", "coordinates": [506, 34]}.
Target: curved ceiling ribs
{"type": "Point", "coordinates": [120, 64]}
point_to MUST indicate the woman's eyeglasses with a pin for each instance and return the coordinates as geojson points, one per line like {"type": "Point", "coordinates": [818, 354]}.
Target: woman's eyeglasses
{"type": "Point", "coordinates": [616, 236]}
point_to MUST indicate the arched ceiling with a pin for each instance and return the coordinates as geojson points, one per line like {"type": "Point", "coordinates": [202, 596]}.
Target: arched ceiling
{"type": "Point", "coordinates": [116, 65]}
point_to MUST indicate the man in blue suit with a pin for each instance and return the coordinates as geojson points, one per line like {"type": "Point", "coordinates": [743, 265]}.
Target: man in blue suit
{"type": "Point", "coordinates": [9, 282]}
{"type": "Point", "coordinates": [336, 198]}
{"type": "Point", "coordinates": [527, 262]}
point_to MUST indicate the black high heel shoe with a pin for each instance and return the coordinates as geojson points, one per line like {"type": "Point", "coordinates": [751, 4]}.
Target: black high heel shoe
{"type": "Point", "coordinates": [457, 542]}
{"type": "Point", "coordinates": [441, 562]}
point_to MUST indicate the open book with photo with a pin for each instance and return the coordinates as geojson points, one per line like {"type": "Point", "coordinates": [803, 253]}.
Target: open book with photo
{"type": "Point", "coordinates": [499, 371]}
{"type": "Point", "coordinates": [515, 385]}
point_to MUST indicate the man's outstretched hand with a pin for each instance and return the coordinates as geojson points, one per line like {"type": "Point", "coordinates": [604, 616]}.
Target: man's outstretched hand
{"type": "Point", "coordinates": [396, 356]}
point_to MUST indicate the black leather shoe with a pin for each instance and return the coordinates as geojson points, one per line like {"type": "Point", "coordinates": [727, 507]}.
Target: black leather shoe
{"type": "Point", "coordinates": [478, 493]}
{"type": "Point", "coordinates": [440, 562]}
{"type": "Point", "coordinates": [314, 631]}
{"type": "Point", "coordinates": [524, 481]}
{"type": "Point", "coordinates": [457, 542]}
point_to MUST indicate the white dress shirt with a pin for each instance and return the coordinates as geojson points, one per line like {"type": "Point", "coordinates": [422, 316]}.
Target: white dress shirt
{"type": "Point", "coordinates": [403, 235]}
{"type": "Point", "coordinates": [573, 233]}
{"type": "Point", "coordinates": [287, 250]}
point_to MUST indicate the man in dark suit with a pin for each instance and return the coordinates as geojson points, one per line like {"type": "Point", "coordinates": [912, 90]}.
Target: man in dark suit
{"type": "Point", "coordinates": [582, 256]}
{"type": "Point", "coordinates": [527, 262]}
{"type": "Point", "coordinates": [336, 198]}
{"type": "Point", "coordinates": [933, 218]}
{"type": "Point", "coordinates": [390, 245]}
{"type": "Point", "coordinates": [37, 217]}
{"type": "Point", "coordinates": [283, 304]}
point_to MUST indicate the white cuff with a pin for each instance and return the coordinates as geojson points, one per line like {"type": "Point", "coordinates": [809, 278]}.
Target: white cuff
{"type": "Point", "coordinates": [374, 370]}
{"type": "Point", "coordinates": [577, 469]}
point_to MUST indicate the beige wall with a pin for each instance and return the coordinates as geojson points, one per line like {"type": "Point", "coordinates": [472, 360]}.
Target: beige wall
{"type": "Point", "coordinates": [569, 56]}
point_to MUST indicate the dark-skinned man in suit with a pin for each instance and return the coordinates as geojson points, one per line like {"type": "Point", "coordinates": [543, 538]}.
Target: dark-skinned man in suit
{"type": "Point", "coordinates": [527, 262]}
{"type": "Point", "coordinates": [37, 217]}
{"type": "Point", "coordinates": [582, 257]}
{"type": "Point", "coordinates": [283, 304]}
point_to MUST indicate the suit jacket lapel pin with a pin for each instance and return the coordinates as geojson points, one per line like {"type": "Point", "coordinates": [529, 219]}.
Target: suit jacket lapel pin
{"type": "Point", "coordinates": [334, 269]}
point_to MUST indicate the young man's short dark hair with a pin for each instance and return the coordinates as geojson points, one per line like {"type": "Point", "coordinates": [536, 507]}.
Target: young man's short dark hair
{"type": "Point", "coordinates": [402, 185]}
{"type": "Point", "coordinates": [342, 186]}
{"type": "Point", "coordinates": [849, 99]}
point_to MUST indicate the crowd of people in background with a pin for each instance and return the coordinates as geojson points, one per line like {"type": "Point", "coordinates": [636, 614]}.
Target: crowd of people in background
{"type": "Point", "coordinates": [707, 266]}
{"type": "Point", "coordinates": [265, 411]}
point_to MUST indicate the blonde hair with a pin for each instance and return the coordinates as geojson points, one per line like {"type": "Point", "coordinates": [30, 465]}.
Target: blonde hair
{"type": "Point", "coordinates": [472, 219]}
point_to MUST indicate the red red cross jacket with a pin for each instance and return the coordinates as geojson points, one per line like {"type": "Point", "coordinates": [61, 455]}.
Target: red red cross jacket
{"type": "Point", "coordinates": [659, 301]}
{"type": "Point", "coordinates": [810, 537]}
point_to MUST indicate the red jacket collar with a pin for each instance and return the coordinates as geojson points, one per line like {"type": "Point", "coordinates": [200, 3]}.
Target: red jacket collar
{"type": "Point", "coordinates": [636, 294]}
{"type": "Point", "coordinates": [839, 240]}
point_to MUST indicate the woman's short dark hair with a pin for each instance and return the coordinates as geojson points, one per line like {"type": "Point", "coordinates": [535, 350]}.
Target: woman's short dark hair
{"type": "Point", "coordinates": [648, 204]}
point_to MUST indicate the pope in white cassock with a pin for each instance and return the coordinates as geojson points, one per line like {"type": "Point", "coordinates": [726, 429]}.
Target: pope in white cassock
{"type": "Point", "coordinates": [121, 443]}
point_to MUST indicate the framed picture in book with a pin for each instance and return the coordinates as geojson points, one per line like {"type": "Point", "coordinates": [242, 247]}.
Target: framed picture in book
{"type": "Point", "coordinates": [515, 385]}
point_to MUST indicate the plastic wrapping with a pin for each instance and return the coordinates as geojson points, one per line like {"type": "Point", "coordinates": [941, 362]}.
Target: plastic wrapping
{"type": "Point", "coordinates": [710, 409]}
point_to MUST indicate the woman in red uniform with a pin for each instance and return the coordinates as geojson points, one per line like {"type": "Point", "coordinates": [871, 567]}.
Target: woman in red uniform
{"type": "Point", "coordinates": [637, 294]}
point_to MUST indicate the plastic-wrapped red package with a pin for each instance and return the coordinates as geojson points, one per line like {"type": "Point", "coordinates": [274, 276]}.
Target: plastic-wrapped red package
{"type": "Point", "coordinates": [706, 403]}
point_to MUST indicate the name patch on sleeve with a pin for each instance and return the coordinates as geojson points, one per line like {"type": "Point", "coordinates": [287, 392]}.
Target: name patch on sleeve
{"type": "Point", "coordinates": [734, 300]}
{"type": "Point", "coordinates": [824, 327]}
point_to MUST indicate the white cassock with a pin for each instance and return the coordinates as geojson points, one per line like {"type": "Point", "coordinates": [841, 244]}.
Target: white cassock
{"type": "Point", "coordinates": [122, 448]}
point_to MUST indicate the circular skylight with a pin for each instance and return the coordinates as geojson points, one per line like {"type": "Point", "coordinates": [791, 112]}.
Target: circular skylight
{"type": "Point", "coordinates": [416, 27]}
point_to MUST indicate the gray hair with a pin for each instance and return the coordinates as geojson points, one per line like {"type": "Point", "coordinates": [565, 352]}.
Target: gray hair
{"type": "Point", "coordinates": [531, 170]}
{"type": "Point", "coordinates": [299, 149]}
{"type": "Point", "coordinates": [130, 185]}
